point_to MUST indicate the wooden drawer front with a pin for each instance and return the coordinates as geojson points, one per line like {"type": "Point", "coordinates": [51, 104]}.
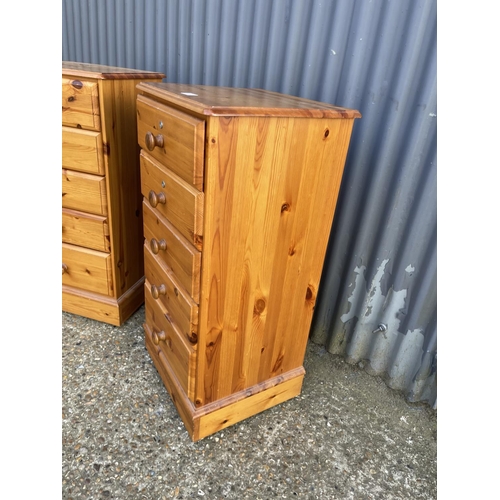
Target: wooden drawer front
{"type": "Point", "coordinates": [80, 104]}
{"type": "Point", "coordinates": [85, 230]}
{"type": "Point", "coordinates": [84, 192]}
{"type": "Point", "coordinates": [174, 138]}
{"type": "Point", "coordinates": [170, 344]}
{"type": "Point", "coordinates": [82, 150]}
{"type": "Point", "coordinates": [87, 269]}
{"type": "Point", "coordinates": [176, 200]}
{"type": "Point", "coordinates": [182, 310]}
{"type": "Point", "coordinates": [173, 249]}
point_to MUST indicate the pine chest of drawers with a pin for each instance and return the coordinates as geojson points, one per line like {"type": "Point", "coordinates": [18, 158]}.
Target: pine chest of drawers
{"type": "Point", "coordinates": [102, 242]}
{"type": "Point", "coordinates": [240, 188]}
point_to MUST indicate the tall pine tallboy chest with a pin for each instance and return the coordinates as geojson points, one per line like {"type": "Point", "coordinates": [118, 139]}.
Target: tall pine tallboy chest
{"type": "Point", "coordinates": [240, 188]}
{"type": "Point", "coordinates": [102, 257]}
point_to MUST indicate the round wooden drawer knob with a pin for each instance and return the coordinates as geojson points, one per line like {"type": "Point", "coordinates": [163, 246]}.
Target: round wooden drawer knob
{"type": "Point", "coordinates": [153, 141]}
{"type": "Point", "coordinates": [156, 245]}
{"type": "Point", "coordinates": [156, 291]}
{"type": "Point", "coordinates": [64, 268]}
{"type": "Point", "coordinates": [157, 337]}
{"type": "Point", "coordinates": [155, 198]}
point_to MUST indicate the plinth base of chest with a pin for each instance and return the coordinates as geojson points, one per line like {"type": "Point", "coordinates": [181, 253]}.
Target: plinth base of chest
{"type": "Point", "coordinates": [103, 308]}
{"type": "Point", "coordinates": [213, 417]}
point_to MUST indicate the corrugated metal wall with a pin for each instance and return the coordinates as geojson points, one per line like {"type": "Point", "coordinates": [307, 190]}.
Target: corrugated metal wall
{"type": "Point", "coordinates": [377, 56]}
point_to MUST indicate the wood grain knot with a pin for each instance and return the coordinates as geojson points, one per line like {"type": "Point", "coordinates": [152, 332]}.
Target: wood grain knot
{"type": "Point", "coordinates": [213, 140]}
{"type": "Point", "coordinates": [279, 362]}
{"type": "Point", "coordinates": [327, 133]}
{"type": "Point", "coordinates": [198, 402]}
{"type": "Point", "coordinates": [259, 306]}
{"type": "Point", "coordinates": [309, 294]}
{"type": "Point", "coordinates": [285, 207]}
{"type": "Point", "coordinates": [71, 98]}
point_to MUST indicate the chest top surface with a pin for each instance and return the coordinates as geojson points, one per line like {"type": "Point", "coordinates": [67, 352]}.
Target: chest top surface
{"type": "Point", "coordinates": [229, 101]}
{"type": "Point", "coordinates": [102, 72]}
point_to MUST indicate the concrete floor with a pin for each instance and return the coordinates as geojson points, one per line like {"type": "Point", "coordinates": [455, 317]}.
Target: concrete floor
{"type": "Point", "coordinates": [347, 436]}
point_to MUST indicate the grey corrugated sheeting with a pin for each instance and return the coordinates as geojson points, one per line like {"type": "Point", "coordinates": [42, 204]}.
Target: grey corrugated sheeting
{"type": "Point", "coordinates": [378, 56]}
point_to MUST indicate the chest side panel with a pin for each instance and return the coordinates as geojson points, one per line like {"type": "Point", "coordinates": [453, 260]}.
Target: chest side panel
{"type": "Point", "coordinates": [271, 187]}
